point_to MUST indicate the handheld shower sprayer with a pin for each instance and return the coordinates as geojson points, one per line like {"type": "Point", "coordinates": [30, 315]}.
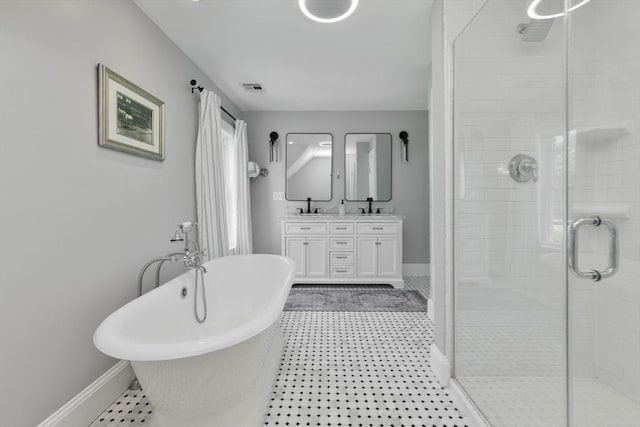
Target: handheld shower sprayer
{"type": "Point", "coordinates": [177, 237]}
{"type": "Point", "coordinates": [182, 231]}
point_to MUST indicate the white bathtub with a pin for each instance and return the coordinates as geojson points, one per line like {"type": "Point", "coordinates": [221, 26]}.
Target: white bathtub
{"type": "Point", "coordinates": [218, 373]}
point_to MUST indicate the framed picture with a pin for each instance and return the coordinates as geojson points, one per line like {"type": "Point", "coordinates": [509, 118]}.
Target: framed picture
{"type": "Point", "coordinates": [130, 118]}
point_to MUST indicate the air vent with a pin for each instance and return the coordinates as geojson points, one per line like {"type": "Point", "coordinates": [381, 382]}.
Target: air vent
{"type": "Point", "coordinates": [253, 87]}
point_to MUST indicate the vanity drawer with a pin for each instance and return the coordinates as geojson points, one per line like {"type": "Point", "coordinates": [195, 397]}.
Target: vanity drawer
{"type": "Point", "coordinates": [341, 257]}
{"type": "Point", "coordinates": [341, 228]}
{"type": "Point", "coordinates": [378, 228]}
{"type": "Point", "coordinates": [305, 228]}
{"type": "Point", "coordinates": [342, 271]}
{"type": "Point", "coordinates": [341, 243]}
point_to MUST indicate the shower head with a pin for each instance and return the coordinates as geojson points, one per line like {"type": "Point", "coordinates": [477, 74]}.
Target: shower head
{"type": "Point", "coordinates": [536, 30]}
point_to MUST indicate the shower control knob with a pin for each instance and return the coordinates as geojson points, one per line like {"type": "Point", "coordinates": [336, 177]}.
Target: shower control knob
{"type": "Point", "coordinates": [523, 168]}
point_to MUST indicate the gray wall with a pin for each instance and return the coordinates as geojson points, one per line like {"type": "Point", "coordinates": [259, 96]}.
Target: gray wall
{"type": "Point", "coordinates": [79, 220]}
{"type": "Point", "coordinates": [409, 179]}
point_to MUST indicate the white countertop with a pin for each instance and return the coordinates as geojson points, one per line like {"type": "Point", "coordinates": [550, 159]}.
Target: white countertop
{"type": "Point", "coordinates": [346, 217]}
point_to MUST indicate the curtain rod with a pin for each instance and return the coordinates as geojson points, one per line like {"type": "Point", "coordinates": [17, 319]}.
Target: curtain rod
{"type": "Point", "coordinates": [194, 86]}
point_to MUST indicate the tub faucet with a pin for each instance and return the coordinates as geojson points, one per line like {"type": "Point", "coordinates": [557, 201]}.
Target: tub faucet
{"type": "Point", "coordinates": [193, 260]}
{"type": "Point", "coordinates": [191, 256]}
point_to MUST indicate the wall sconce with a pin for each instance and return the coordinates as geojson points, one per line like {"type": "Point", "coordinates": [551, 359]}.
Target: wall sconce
{"type": "Point", "coordinates": [273, 146]}
{"type": "Point", "coordinates": [404, 137]}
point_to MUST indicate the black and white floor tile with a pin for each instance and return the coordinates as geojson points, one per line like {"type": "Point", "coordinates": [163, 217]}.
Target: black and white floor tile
{"type": "Point", "coordinates": [131, 409]}
{"type": "Point", "coordinates": [344, 369]}
{"type": "Point", "coordinates": [358, 369]}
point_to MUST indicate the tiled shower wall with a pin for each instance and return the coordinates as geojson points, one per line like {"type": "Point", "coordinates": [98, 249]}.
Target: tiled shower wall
{"type": "Point", "coordinates": [605, 59]}
{"type": "Point", "coordinates": [509, 99]}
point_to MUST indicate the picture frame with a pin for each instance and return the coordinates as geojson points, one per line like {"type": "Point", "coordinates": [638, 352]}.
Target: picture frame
{"type": "Point", "coordinates": [130, 118]}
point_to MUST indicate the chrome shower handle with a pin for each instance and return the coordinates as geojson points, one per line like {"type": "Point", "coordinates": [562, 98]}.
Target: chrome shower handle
{"type": "Point", "coordinates": [594, 275]}
{"type": "Point", "coordinates": [523, 168]}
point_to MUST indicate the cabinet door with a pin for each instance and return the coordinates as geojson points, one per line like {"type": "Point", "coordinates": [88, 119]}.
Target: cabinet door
{"type": "Point", "coordinates": [389, 257]}
{"type": "Point", "coordinates": [296, 250]}
{"type": "Point", "coordinates": [367, 256]}
{"type": "Point", "coordinates": [316, 257]}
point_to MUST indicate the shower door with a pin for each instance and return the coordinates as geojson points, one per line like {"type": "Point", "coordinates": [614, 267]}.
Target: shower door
{"type": "Point", "coordinates": [547, 213]}
{"type": "Point", "coordinates": [509, 215]}
{"type": "Point", "coordinates": [604, 183]}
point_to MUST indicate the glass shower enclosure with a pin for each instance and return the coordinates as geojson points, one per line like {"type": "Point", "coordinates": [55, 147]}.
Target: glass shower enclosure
{"type": "Point", "coordinates": [547, 213]}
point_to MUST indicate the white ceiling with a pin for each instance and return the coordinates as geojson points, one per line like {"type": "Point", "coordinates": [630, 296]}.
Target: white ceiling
{"type": "Point", "coordinates": [377, 59]}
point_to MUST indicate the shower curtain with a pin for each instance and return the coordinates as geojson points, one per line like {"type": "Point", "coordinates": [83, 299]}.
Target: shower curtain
{"type": "Point", "coordinates": [222, 191]}
{"type": "Point", "coordinates": [244, 244]}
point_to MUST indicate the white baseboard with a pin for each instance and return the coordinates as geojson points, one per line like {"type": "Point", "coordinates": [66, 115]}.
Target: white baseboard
{"type": "Point", "coordinates": [467, 409]}
{"type": "Point", "coordinates": [430, 309]}
{"type": "Point", "coordinates": [90, 402]}
{"type": "Point", "coordinates": [415, 270]}
{"type": "Point", "coordinates": [440, 365]}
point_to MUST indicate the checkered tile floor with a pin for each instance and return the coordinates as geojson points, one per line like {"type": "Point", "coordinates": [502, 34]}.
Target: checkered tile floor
{"type": "Point", "coordinates": [358, 369]}
{"type": "Point", "coordinates": [343, 369]}
{"type": "Point", "coordinates": [129, 410]}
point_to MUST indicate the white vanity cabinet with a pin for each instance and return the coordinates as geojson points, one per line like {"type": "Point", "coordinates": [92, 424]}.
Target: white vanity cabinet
{"type": "Point", "coordinates": [379, 248]}
{"type": "Point", "coordinates": [348, 249]}
{"type": "Point", "coordinates": [306, 244]}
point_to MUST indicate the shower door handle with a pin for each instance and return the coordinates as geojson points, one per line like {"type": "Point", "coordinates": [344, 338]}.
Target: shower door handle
{"type": "Point", "coordinates": [594, 275]}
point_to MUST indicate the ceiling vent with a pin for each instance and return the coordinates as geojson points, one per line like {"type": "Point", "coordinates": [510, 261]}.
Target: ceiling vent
{"type": "Point", "coordinates": [253, 87]}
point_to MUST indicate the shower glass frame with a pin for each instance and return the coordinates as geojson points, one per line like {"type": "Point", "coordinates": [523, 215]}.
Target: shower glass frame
{"type": "Point", "coordinates": [562, 386]}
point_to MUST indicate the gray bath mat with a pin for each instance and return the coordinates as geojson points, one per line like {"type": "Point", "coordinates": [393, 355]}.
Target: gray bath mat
{"type": "Point", "coordinates": [335, 299]}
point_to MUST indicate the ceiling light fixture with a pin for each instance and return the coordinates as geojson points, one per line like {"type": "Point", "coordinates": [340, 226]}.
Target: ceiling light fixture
{"type": "Point", "coordinates": [533, 12]}
{"type": "Point", "coordinates": [324, 19]}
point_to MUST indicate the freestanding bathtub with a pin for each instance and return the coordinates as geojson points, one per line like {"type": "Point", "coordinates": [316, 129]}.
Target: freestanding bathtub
{"type": "Point", "coordinates": [215, 374]}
